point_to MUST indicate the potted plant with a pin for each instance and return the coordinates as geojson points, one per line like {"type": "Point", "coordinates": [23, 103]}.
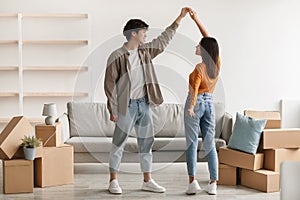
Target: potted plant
{"type": "Point", "coordinates": [29, 143]}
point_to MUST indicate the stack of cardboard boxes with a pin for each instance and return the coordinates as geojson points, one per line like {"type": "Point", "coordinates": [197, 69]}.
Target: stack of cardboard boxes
{"type": "Point", "coordinates": [53, 164]}
{"type": "Point", "coordinates": [261, 170]}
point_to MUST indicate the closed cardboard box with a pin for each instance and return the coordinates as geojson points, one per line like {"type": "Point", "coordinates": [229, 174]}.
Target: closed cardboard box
{"type": "Point", "coordinates": [10, 138]}
{"type": "Point", "coordinates": [263, 180]}
{"type": "Point", "coordinates": [55, 167]}
{"type": "Point", "coordinates": [272, 117]}
{"type": "Point", "coordinates": [281, 138]}
{"type": "Point", "coordinates": [273, 157]}
{"type": "Point", "coordinates": [50, 134]}
{"type": "Point", "coordinates": [240, 159]}
{"type": "Point", "coordinates": [17, 176]}
{"type": "Point", "coordinates": [227, 175]}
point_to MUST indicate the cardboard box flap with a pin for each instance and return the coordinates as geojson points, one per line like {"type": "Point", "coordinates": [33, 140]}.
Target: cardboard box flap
{"type": "Point", "coordinates": [9, 127]}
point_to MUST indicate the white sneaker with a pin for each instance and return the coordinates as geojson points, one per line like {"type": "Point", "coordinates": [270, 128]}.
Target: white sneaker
{"type": "Point", "coordinates": [152, 186]}
{"type": "Point", "coordinates": [211, 188]}
{"type": "Point", "coordinates": [114, 187]}
{"type": "Point", "coordinates": [193, 187]}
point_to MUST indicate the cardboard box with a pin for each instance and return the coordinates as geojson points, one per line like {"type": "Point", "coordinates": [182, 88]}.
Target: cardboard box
{"type": "Point", "coordinates": [273, 157]}
{"type": "Point", "coordinates": [240, 159]}
{"type": "Point", "coordinates": [263, 180]}
{"type": "Point", "coordinates": [10, 138]}
{"type": "Point", "coordinates": [227, 175]}
{"type": "Point", "coordinates": [55, 167]}
{"type": "Point", "coordinates": [17, 176]}
{"type": "Point", "coordinates": [50, 134]}
{"type": "Point", "coordinates": [272, 117]}
{"type": "Point", "coordinates": [20, 153]}
{"type": "Point", "coordinates": [281, 138]}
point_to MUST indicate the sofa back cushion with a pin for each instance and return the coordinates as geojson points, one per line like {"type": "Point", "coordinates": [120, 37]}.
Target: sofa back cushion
{"type": "Point", "coordinates": [89, 119]}
{"type": "Point", "coordinates": [168, 120]}
{"type": "Point", "coordinates": [92, 119]}
{"type": "Point", "coordinates": [219, 115]}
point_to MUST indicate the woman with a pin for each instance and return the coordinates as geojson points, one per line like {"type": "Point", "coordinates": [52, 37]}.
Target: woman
{"type": "Point", "coordinates": [200, 111]}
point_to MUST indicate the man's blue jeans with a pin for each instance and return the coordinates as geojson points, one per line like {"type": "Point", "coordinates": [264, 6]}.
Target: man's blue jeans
{"type": "Point", "coordinates": [139, 117]}
{"type": "Point", "coordinates": [205, 120]}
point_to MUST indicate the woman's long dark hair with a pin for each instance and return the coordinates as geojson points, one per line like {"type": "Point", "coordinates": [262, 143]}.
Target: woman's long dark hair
{"type": "Point", "coordinates": [210, 55]}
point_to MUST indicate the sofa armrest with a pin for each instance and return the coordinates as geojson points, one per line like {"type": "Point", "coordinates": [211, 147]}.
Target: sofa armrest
{"type": "Point", "coordinates": [64, 120]}
{"type": "Point", "coordinates": [227, 127]}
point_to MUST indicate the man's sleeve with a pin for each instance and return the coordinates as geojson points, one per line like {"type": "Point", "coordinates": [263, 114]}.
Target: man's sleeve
{"type": "Point", "coordinates": [157, 45]}
{"type": "Point", "coordinates": [111, 77]}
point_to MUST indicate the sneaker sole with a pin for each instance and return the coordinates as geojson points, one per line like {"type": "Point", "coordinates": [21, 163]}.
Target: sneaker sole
{"type": "Point", "coordinates": [193, 193]}
{"type": "Point", "coordinates": [151, 190]}
{"type": "Point", "coordinates": [116, 193]}
{"type": "Point", "coordinates": [210, 193]}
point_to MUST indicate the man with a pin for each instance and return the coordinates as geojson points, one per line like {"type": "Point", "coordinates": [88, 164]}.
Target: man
{"type": "Point", "coordinates": [131, 86]}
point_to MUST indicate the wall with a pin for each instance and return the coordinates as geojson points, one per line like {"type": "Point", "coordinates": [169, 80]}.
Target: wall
{"type": "Point", "coordinates": [259, 43]}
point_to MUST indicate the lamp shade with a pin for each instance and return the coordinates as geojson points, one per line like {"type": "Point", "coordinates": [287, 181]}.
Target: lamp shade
{"type": "Point", "coordinates": [49, 109]}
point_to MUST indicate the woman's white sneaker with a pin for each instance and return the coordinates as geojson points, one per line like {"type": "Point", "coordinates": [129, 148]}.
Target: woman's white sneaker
{"type": "Point", "coordinates": [152, 186]}
{"type": "Point", "coordinates": [114, 187]}
{"type": "Point", "coordinates": [193, 188]}
{"type": "Point", "coordinates": [211, 188]}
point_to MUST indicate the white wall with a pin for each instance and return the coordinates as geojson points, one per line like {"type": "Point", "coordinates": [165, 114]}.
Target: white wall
{"type": "Point", "coordinates": [259, 42]}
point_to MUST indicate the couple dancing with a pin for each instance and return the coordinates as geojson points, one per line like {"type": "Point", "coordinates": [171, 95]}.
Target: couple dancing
{"type": "Point", "coordinates": [131, 86]}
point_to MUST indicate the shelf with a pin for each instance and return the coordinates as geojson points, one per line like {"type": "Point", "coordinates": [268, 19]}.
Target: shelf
{"type": "Point", "coordinates": [8, 41]}
{"type": "Point", "coordinates": [9, 68]}
{"type": "Point", "coordinates": [56, 15]}
{"type": "Point", "coordinates": [8, 15]}
{"type": "Point", "coordinates": [8, 94]}
{"type": "Point", "coordinates": [31, 120]}
{"type": "Point", "coordinates": [54, 94]}
{"type": "Point", "coordinates": [36, 120]}
{"type": "Point", "coordinates": [4, 120]}
{"type": "Point", "coordinates": [62, 42]}
{"type": "Point", "coordinates": [56, 68]}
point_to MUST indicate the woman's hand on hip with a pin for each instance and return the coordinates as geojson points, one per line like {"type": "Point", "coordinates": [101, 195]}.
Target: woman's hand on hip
{"type": "Point", "coordinates": [191, 112]}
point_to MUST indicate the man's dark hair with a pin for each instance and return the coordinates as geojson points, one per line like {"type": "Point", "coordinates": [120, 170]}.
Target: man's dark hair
{"type": "Point", "coordinates": [133, 25]}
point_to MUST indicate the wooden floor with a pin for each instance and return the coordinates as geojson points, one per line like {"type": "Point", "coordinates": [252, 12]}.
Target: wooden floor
{"type": "Point", "coordinates": [91, 182]}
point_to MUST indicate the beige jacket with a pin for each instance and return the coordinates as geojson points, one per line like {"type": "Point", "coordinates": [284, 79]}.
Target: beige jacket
{"type": "Point", "coordinates": [117, 79]}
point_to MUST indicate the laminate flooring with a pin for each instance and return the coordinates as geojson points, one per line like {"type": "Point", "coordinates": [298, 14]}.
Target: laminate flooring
{"type": "Point", "coordinates": [91, 182]}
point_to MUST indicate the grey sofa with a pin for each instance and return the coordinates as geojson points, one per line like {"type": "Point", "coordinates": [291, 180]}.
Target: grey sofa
{"type": "Point", "coordinates": [87, 127]}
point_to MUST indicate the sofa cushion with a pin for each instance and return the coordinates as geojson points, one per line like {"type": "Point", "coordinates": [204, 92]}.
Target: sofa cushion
{"type": "Point", "coordinates": [168, 120]}
{"type": "Point", "coordinates": [219, 116]}
{"type": "Point", "coordinates": [103, 144]}
{"type": "Point", "coordinates": [89, 119]}
{"type": "Point", "coordinates": [246, 133]}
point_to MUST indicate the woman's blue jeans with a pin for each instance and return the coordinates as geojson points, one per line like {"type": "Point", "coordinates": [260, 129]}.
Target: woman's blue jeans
{"type": "Point", "coordinates": [204, 120]}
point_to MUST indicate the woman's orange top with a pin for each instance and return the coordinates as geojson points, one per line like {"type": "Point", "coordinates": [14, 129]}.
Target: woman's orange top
{"type": "Point", "coordinates": [200, 82]}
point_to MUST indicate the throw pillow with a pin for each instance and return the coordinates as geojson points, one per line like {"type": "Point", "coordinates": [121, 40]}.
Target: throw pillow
{"type": "Point", "coordinates": [246, 133]}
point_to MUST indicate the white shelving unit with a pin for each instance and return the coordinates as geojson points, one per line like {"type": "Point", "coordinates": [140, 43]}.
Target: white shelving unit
{"type": "Point", "coordinates": [55, 42]}
{"type": "Point", "coordinates": [30, 70]}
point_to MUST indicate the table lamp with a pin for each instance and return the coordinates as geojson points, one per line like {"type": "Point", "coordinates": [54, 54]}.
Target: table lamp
{"type": "Point", "coordinates": [50, 111]}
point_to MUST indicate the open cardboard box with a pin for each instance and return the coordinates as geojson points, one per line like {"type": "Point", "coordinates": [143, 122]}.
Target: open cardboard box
{"type": "Point", "coordinates": [10, 138]}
